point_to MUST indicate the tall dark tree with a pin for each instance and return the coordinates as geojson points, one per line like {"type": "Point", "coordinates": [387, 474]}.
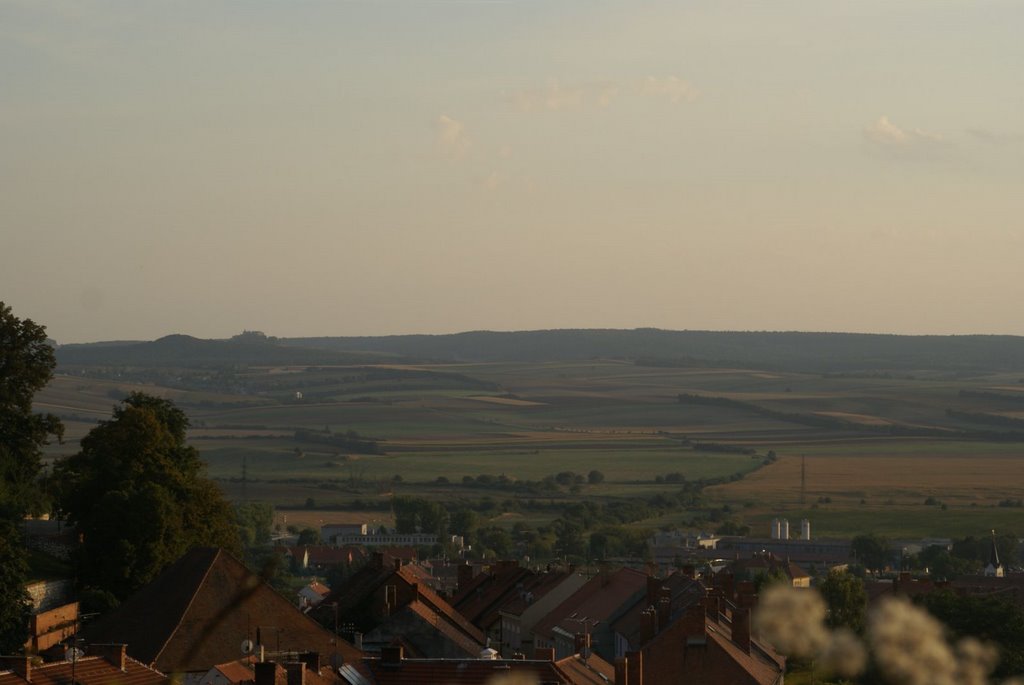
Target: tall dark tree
{"type": "Point", "coordinates": [26, 366]}
{"type": "Point", "coordinates": [871, 550]}
{"type": "Point", "coordinates": [846, 598]}
{"type": "Point", "coordinates": [138, 493]}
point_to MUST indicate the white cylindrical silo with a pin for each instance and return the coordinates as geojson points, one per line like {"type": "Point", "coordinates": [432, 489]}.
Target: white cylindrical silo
{"type": "Point", "coordinates": [805, 530]}
{"type": "Point", "coordinates": [784, 530]}
{"type": "Point", "coordinates": [776, 529]}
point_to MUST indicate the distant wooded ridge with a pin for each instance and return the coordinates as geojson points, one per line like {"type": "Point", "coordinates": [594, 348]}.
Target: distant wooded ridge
{"type": "Point", "coordinates": [794, 351]}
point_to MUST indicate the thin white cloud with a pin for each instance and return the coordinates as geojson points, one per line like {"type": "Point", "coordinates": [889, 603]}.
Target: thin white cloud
{"type": "Point", "coordinates": [555, 97]}
{"type": "Point", "coordinates": [673, 88]}
{"type": "Point", "coordinates": [452, 137]}
{"type": "Point", "coordinates": [885, 133]}
{"type": "Point", "coordinates": [559, 97]}
{"type": "Point", "coordinates": [993, 137]}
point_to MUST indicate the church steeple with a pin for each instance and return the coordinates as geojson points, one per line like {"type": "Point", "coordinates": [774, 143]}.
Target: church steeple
{"type": "Point", "coordinates": [995, 567]}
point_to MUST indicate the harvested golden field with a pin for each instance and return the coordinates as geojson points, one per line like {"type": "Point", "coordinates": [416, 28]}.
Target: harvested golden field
{"type": "Point", "coordinates": [864, 419]}
{"type": "Point", "coordinates": [509, 401]}
{"type": "Point", "coordinates": [902, 478]}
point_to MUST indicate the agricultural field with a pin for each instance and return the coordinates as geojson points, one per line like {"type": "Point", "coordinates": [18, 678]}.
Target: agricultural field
{"type": "Point", "coordinates": [873, 447]}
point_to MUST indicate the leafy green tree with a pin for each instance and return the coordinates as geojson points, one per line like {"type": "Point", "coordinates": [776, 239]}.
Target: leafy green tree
{"type": "Point", "coordinates": [15, 609]}
{"type": "Point", "coordinates": [137, 492]}
{"type": "Point", "coordinates": [595, 477]}
{"type": "Point", "coordinates": [463, 522]}
{"type": "Point", "coordinates": [986, 618]}
{"type": "Point", "coordinates": [763, 579]}
{"type": "Point", "coordinates": [846, 598]}
{"type": "Point", "coordinates": [309, 536]}
{"type": "Point", "coordinates": [872, 551]}
{"type": "Point", "coordinates": [26, 366]}
{"type": "Point", "coordinates": [255, 522]}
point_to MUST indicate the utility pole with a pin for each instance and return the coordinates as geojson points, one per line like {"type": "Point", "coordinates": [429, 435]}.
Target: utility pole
{"type": "Point", "coordinates": [803, 479]}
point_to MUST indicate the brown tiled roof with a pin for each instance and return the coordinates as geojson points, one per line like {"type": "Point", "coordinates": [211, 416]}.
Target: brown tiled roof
{"type": "Point", "coordinates": [763, 664]}
{"type": "Point", "coordinates": [236, 671]}
{"type": "Point", "coordinates": [462, 671]}
{"type": "Point", "coordinates": [764, 563]}
{"type": "Point", "coordinates": [471, 645]}
{"type": "Point", "coordinates": [538, 586]}
{"type": "Point", "coordinates": [327, 555]}
{"type": "Point", "coordinates": [598, 599]}
{"type": "Point", "coordinates": [198, 611]}
{"type": "Point", "coordinates": [684, 592]}
{"type": "Point", "coordinates": [89, 670]}
{"type": "Point", "coordinates": [592, 671]}
{"type": "Point", "coordinates": [482, 598]}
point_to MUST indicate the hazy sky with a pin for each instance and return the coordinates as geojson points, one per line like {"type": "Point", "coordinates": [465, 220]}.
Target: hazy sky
{"type": "Point", "coordinates": [395, 166]}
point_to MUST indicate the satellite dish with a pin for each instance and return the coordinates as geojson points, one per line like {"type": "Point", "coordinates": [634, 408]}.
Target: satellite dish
{"type": "Point", "coordinates": [248, 646]}
{"type": "Point", "coordinates": [73, 654]}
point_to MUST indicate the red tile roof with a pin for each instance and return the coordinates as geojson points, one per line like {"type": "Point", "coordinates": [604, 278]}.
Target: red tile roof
{"type": "Point", "coordinates": [197, 612]}
{"type": "Point", "coordinates": [89, 670]}
{"type": "Point", "coordinates": [591, 671]}
{"type": "Point", "coordinates": [598, 599]}
{"type": "Point", "coordinates": [463, 671]}
{"type": "Point", "coordinates": [483, 597]}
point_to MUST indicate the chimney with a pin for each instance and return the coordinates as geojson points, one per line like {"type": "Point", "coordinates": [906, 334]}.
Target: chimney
{"type": "Point", "coordinates": [390, 656]}
{"type": "Point", "coordinates": [729, 586]}
{"type": "Point", "coordinates": [398, 563]}
{"type": "Point", "coordinates": [113, 654]}
{"type": "Point", "coordinates": [622, 671]}
{"type": "Point", "coordinates": [710, 605]}
{"type": "Point", "coordinates": [377, 560]}
{"type": "Point", "coordinates": [663, 610]}
{"type": "Point", "coordinates": [741, 629]}
{"type": "Point", "coordinates": [415, 591]}
{"type": "Point", "coordinates": [653, 586]}
{"type": "Point", "coordinates": [746, 595]}
{"type": "Point", "coordinates": [544, 654]}
{"type": "Point", "coordinates": [296, 672]}
{"type": "Point", "coordinates": [635, 668]}
{"type": "Point", "coordinates": [21, 665]}
{"type": "Point", "coordinates": [693, 619]}
{"type": "Point", "coordinates": [357, 640]}
{"type": "Point", "coordinates": [465, 576]}
{"type": "Point", "coordinates": [265, 673]}
{"type": "Point", "coordinates": [648, 625]}
{"type": "Point", "coordinates": [312, 661]}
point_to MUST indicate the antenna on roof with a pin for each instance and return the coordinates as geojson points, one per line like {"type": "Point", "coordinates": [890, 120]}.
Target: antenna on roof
{"type": "Point", "coordinates": [248, 647]}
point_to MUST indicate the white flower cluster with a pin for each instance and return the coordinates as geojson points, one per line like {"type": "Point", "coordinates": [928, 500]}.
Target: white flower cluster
{"type": "Point", "coordinates": [908, 645]}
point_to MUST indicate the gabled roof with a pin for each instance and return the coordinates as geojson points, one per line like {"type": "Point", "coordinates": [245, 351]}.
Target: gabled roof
{"type": "Point", "coordinates": [463, 672]}
{"type": "Point", "coordinates": [536, 588]}
{"type": "Point", "coordinates": [599, 599]}
{"type": "Point", "coordinates": [764, 563]}
{"type": "Point", "coordinates": [762, 664]}
{"type": "Point", "coordinates": [683, 592]}
{"type": "Point", "coordinates": [484, 595]}
{"type": "Point", "coordinates": [197, 612]}
{"type": "Point", "coordinates": [236, 671]}
{"type": "Point", "coordinates": [470, 644]}
{"type": "Point", "coordinates": [590, 671]}
{"type": "Point", "coordinates": [89, 670]}
{"type": "Point", "coordinates": [319, 588]}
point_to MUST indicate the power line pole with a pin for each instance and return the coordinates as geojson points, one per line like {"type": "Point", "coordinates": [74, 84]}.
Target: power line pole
{"type": "Point", "coordinates": [803, 479]}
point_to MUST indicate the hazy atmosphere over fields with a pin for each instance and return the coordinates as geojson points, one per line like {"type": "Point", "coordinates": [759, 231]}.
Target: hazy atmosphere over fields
{"type": "Point", "coordinates": [392, 166]}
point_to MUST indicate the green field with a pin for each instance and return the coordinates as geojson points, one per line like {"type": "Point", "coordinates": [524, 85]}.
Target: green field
{"type": "Point", "coordinates": [875, 445]}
